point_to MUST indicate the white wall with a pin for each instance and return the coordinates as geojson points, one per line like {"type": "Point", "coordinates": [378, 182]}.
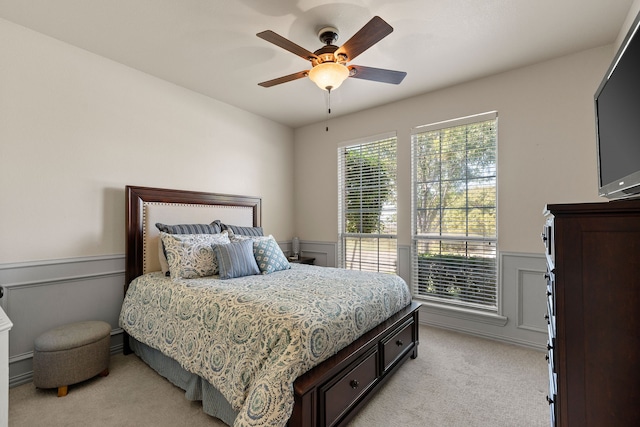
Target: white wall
{"type": "Point", "coordinates": [75, 128]}
{"type": "Point", "coordinates": [546, 146]}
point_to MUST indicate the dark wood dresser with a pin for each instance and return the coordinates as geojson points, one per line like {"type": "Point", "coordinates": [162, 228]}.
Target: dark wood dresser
{"type": "Point", "coordinates": [593, 304]}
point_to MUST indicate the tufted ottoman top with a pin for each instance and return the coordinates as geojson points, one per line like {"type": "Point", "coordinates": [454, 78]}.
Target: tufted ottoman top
{"type": "Point", "coordinates": [72, 335]}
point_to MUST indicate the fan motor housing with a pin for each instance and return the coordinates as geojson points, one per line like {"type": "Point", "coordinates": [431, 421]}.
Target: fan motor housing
{"type": "Point", "coordinates": [328, 35]}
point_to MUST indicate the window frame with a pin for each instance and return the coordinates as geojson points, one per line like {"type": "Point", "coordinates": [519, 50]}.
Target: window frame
{"type": "Point", "coordinates": [385, 243]}
{"type": "Point", "coordinates": [451, 265]}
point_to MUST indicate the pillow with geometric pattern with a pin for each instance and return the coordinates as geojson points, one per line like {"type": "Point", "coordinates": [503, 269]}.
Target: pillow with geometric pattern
{"type": "Point", "coordinates": [269, 256]}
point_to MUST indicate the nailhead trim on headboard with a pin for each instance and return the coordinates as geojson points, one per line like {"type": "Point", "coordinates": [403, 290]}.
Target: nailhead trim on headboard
{"type": "Point", "coordinates": [183, 213]}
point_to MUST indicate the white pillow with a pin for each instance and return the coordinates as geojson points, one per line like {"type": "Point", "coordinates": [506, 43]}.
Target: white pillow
{"type": "Point", "coordinates": [164, 264]}
{"type": "Point", "coordinates": [191, 255]}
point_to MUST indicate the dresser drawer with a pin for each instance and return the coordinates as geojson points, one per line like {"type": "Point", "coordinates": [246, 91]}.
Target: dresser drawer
{"type": "Point", "coordinates": [551, 352]}
{"type": "Point", "coordinates": [550, 318]}
{"type": "Point", "coordinates": [552, 396]}
{"type": "Point", "coordinates": [397, 345]}
{"type": "Point", "coordinates": [339, 396]}
{"type": "Point", "coordinates": [553, 376]}
{"type": "Point", "coordinates": [549, 245]}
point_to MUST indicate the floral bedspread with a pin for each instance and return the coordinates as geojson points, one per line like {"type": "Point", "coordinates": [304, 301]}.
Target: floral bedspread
{"type": "Point", "coordinates": [251, 337]}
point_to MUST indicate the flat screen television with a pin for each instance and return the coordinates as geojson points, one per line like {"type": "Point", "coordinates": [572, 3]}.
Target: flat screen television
{"type": "Point", "coordinates": [617, 107]}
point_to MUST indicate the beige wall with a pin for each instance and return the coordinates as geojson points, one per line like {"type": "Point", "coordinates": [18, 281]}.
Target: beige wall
{"type": "Point", "coordinates": [546, 146]}
{"type": "Point", "coordinates": [633, 12]}
{"type": "Point", "coordinates": [75, 128]}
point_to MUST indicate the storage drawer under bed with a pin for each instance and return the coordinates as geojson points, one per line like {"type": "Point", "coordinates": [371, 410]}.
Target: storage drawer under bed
{"type": "Point", "coordinates": [397, 344]}
{"type": "Point", "coordinates": [340, 395]}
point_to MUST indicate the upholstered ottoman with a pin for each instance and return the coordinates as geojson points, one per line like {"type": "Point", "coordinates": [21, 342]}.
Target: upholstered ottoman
{"type": "Point", "coordinates": [70, 354]}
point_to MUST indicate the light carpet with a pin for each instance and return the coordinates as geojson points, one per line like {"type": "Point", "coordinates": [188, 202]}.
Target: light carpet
{"type": "Point", "coordinates": [457, 380]}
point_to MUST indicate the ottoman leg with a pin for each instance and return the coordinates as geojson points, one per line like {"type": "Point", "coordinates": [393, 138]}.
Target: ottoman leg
{"type": "Point", "coordinates": [62, 391]}
{"type": "Point", "coordinates": [104, 373]}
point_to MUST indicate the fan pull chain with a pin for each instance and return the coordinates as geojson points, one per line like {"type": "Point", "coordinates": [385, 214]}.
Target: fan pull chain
{"type": "Point", "coordinates": [328, 108]}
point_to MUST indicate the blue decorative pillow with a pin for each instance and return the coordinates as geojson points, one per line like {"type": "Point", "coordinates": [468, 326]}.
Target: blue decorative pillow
{"type": "Point", "coordinates": [236, 259]}
{"type": "Point", "coordinates": [243, 231]}
{"type": "Point", "coordinates": [269, 256]}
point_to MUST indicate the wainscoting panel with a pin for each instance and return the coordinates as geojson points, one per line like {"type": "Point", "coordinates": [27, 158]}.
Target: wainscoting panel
{"type": "Point", "coordinates": [531, 316]}
{"type": "Point", "coordinates": [522, 304]}
{"type": "Point", "coordinates": [42, 295]}
{"type": "Point", "coordinates": [323, 252]}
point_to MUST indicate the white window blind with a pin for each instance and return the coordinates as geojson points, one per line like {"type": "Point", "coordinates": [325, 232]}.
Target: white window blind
{"type": "Point", "coordinates": [454, 253]}
{"type": "Point", "coordinates": [367, 213]}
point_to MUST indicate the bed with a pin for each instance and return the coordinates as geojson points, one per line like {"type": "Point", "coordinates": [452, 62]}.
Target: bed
{"type": "Point", "coordinates": [317, 362]}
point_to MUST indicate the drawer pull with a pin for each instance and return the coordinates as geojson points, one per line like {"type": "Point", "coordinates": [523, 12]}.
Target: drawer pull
{"type": "Point", "coordinates": [550, 400]}
{"type": "Point", "coordinates": [546, 357]}
{"type": "Point", "coordinates": [354, 384]}
{"type": "Point", "coordinates": [549, 346]}
{"type": "Point", "coordinates": [399, 343]}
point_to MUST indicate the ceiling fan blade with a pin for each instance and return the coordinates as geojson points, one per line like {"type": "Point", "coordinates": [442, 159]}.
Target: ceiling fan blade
{"type": "Point", "coordinates": [373, 31]}
{"type": "Point", "coordinates": [376, 74]}
{"type": "Point", "coordinates": [286, 44]}
{"type": "Point", "coordinates": [284, 79]}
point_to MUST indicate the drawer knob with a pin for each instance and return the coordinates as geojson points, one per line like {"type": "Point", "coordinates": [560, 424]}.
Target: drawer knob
{"type": "Point", "coordinates": [399, 343]}
{"type": "Point", "coordinates": [549, 346]}
{"type": "Point", "coordinates": [354, 384]}
{"type": "Point", "coordinates": [550, 400]}
{"type": "Point", "coordinates": [546, 357]}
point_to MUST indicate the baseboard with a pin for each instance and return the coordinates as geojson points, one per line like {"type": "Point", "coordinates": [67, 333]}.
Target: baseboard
{"type": "Point", "coordinates": [533, 345]}
{"type": "Point", "coordinates": [21, 379]}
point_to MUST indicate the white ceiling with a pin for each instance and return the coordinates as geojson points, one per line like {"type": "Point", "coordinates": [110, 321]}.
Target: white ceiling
{"type": "Point", "coordinates": [210, 46]}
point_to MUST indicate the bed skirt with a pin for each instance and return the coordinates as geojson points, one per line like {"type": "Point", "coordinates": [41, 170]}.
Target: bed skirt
{"type": "Point", "coordinates": [195, 387]}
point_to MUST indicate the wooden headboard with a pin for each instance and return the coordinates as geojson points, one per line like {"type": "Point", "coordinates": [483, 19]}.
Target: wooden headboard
{"type": "Point", "coordinates": [145, 206]}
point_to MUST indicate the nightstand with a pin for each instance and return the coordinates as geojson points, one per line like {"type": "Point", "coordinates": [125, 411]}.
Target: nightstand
{"type": "Point", "coordinates": [303, 260]}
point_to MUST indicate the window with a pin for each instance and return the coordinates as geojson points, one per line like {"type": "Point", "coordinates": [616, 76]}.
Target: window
{"type": "Point", "coordinates": [454, 223]}
{"type": "Point", "coordinates": [367, 205]}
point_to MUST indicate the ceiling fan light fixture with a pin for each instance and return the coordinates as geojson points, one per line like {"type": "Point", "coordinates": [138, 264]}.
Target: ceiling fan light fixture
{"type": "Point", "coordinates": [329, 75]}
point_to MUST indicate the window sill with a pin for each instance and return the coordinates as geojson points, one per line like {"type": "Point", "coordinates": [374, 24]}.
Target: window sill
{"type": "Point", "coordinates": [463, 313]}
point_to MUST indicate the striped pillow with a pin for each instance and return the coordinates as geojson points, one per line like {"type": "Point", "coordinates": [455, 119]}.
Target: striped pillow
{"type": "Point", "coordinates": [244, 231]}
{"type": "Point", "coordinates": [213, 228]}
{"type": "Point", "coordinates": [236, 259]}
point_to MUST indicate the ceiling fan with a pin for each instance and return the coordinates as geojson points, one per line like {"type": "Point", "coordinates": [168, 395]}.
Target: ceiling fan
{"type": "Point", "coordinates": [329, 63]}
